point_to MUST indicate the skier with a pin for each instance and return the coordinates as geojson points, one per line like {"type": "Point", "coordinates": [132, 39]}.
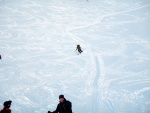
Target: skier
{"type": "Point", "coordinates": [64, 106]}
{"type": "Point", "coordinates": [0, 57]}
{"type": "Point", "coordinates": [79, 49]}
{"type": "Point", "coordinates": [6, 108]}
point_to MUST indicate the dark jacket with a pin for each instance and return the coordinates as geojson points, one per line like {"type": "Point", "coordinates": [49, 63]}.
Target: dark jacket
{"type": "Point", "coordinates": [65, 107]}
{"type": "Point", "coordinates": [78, 47]}
{"type": "Point", "coordinates": [5, 110]}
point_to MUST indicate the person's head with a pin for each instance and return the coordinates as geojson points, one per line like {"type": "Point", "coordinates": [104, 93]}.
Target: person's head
{"type": "Point", "coordinates": [61, 98]}
{"type": "Point", "coordinates": [7, 104]}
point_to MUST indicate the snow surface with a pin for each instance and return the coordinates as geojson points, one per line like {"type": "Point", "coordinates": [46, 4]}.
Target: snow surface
{"type": "Point", "coordinates": [38, 39]}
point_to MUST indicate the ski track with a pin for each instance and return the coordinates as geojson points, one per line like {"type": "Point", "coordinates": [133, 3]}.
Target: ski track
{"type": "Point", "coordinates": [99, 19]}
{"type": "Point", "coordinates": [97, 75]}
{"type": "Point", "coordinates": [95, 82]}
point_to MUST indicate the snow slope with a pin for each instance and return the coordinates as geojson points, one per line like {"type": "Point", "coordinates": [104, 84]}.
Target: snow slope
{"type": "Point", "coordinates": [38, 40]}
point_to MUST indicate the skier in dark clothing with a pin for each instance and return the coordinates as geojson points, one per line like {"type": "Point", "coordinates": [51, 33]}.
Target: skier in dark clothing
{"type": "Point", "coordinates": [6, 108]}
{"type": "Point", "coordinates": [64, 106]}
{"type": "Point", "coordinates": [79, 49]}
{"type": "Point", "coordinates": [0, 57]}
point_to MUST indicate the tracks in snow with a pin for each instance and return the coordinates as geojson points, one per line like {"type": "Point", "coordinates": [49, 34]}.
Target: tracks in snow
{"type": "Point", "coordinates": [95, 102]}
{"type": "Point", "coordinates": [95, 92]}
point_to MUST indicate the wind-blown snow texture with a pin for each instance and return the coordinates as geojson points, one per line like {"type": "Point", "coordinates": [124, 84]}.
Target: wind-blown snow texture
{"type": "Point", "coordinates": [37, 42]}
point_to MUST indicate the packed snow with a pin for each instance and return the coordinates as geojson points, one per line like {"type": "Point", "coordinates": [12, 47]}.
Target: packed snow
{"type": "Point", "coordinates": [38, 39]}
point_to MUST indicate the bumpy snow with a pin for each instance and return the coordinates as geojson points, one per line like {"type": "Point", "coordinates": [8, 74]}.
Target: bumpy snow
{"type": "Point", "coordinates": [38, 39]}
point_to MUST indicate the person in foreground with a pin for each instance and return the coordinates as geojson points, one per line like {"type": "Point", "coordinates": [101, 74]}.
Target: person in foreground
{"type": "Point", "coordinates": [64, 106]}
{"type": "Point", "coordinates": [6, 108]}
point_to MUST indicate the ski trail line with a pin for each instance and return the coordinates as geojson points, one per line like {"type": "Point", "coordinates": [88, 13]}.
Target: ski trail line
{"type": "Point", "coordinates": [95, 92]}
{"type": "Point", "coordinates": [97, 71]}
{"type": "Point", "coordinates": [129, 10]}
{"type": "Point", "coordinates": [100, 18]}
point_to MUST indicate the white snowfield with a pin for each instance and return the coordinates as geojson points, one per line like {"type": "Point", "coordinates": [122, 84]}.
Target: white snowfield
{"type": "Point", "coordinates": [38, 39]}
